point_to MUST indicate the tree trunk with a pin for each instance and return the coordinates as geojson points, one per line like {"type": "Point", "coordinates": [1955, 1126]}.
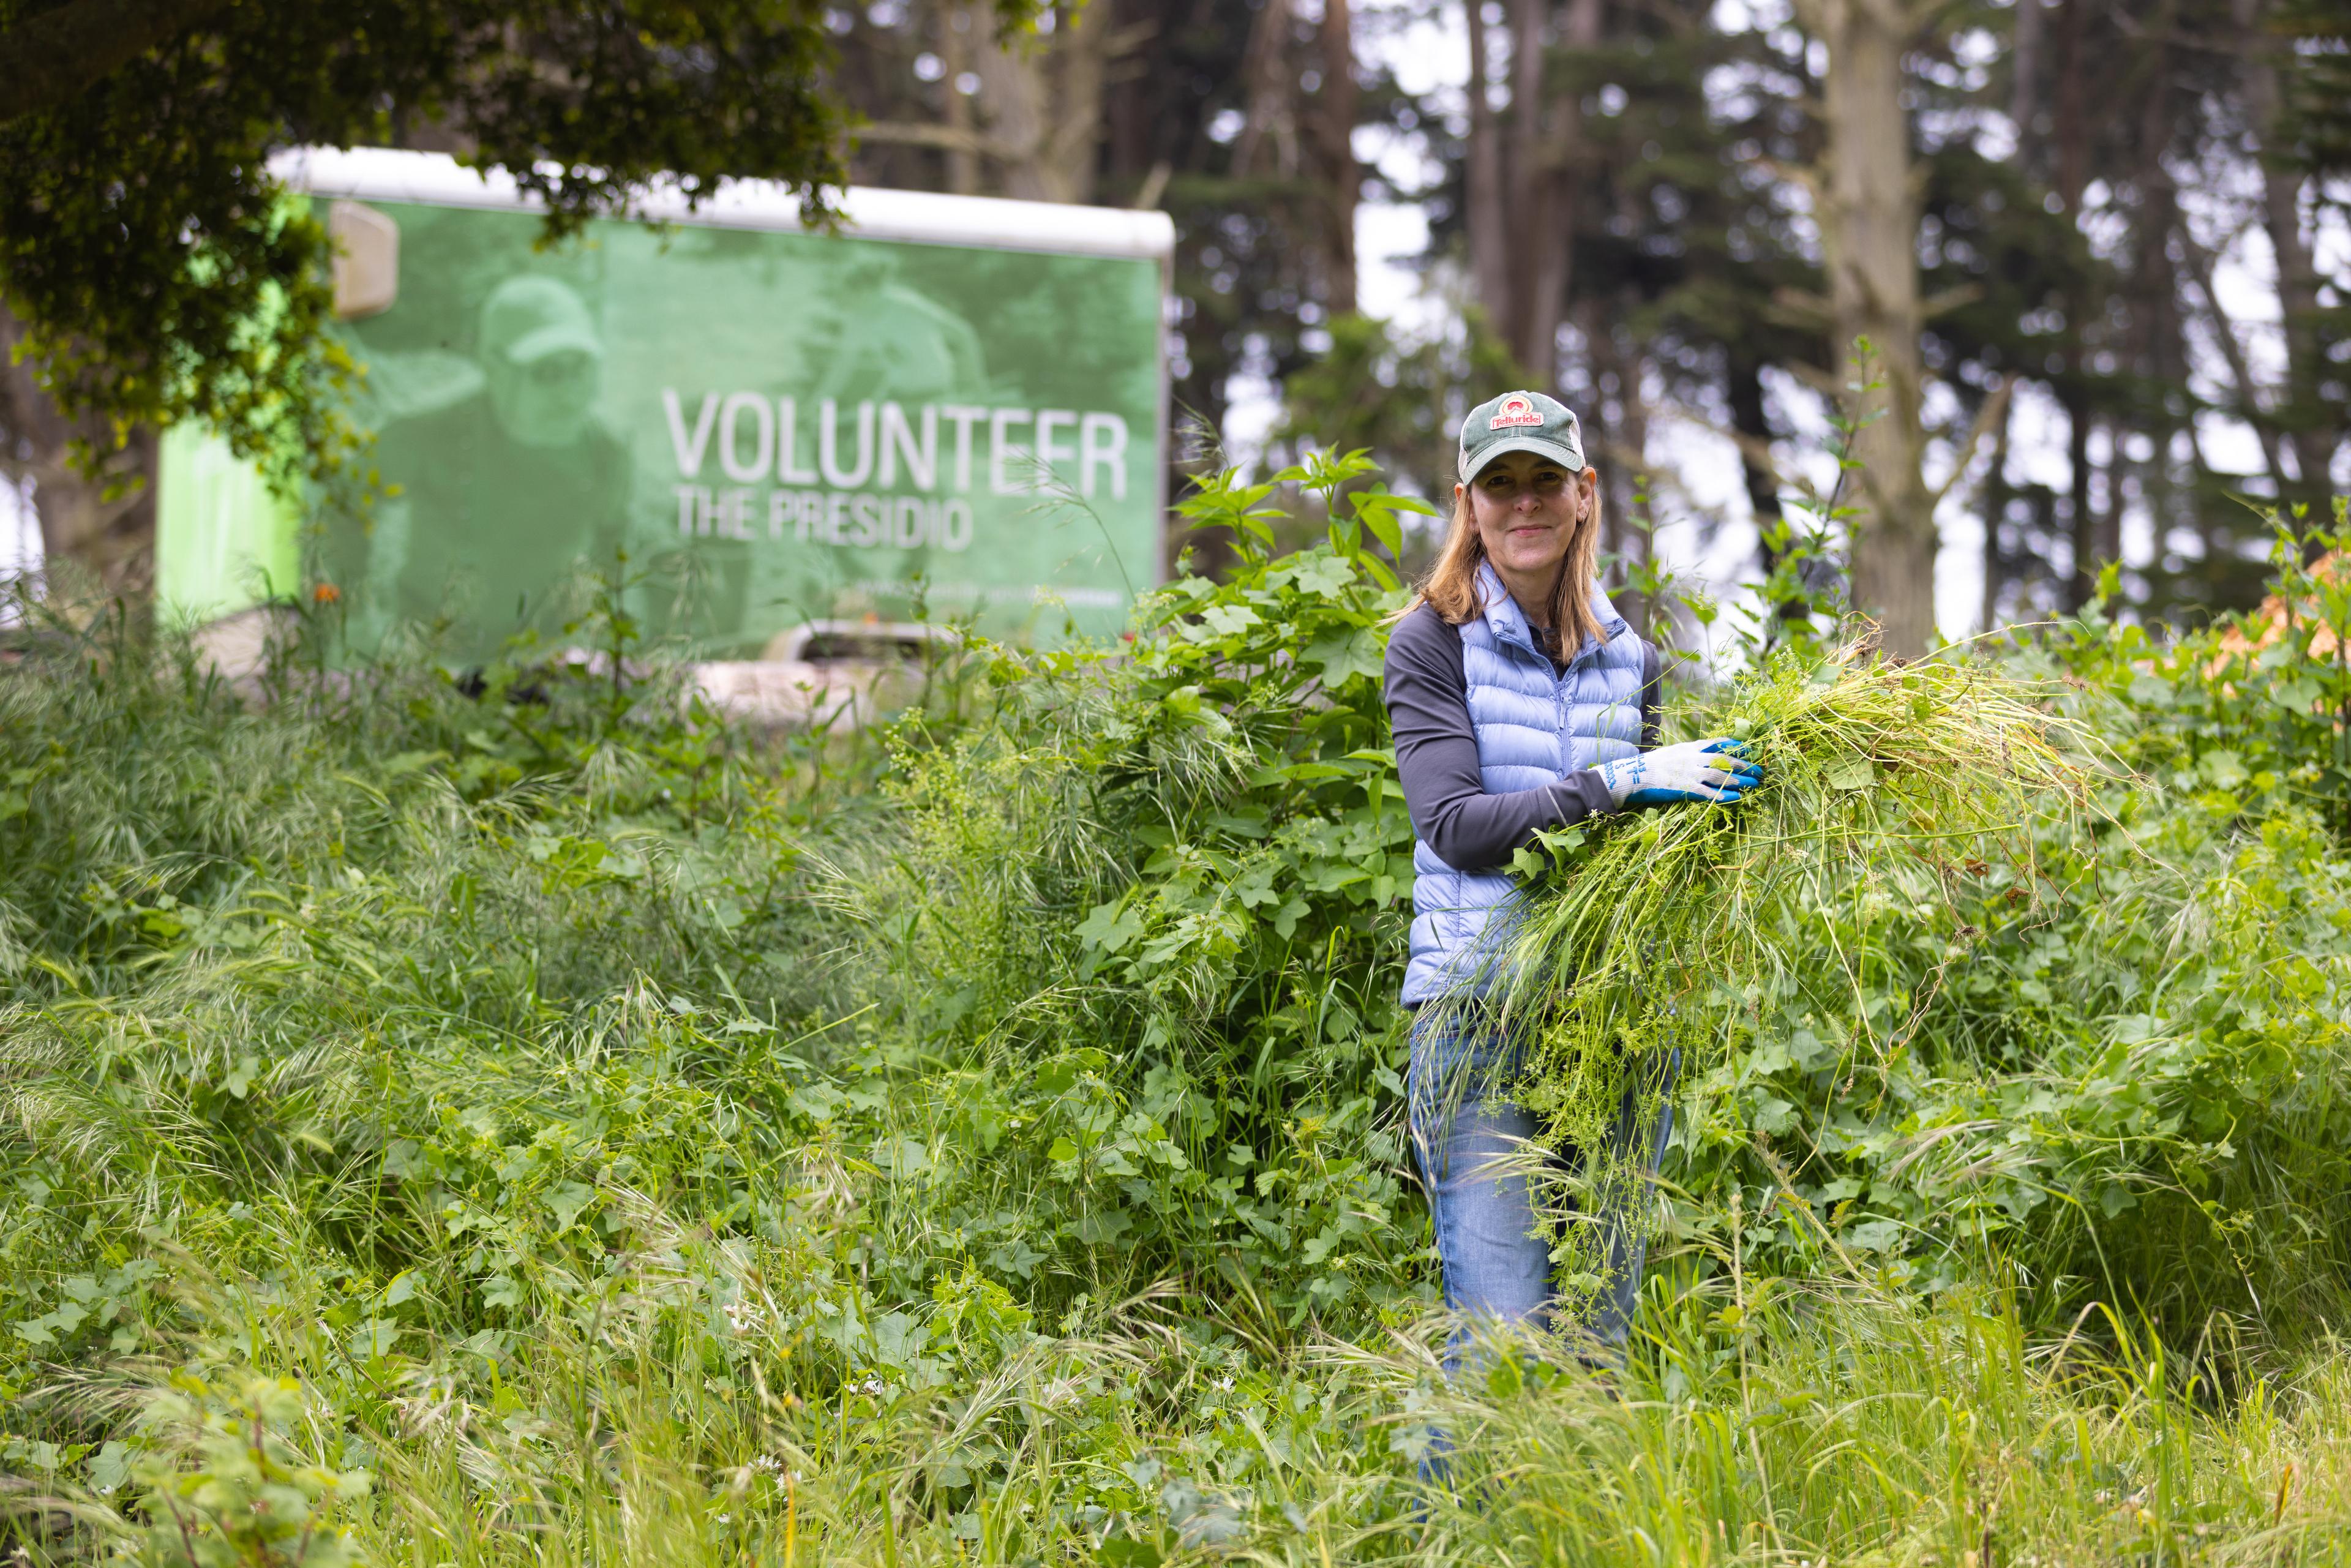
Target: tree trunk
{"type": "Point", "coordinates": [2025, 73]}
{"type": "Point", "coordinates": [1265, 70]}
{"type": "Point", "coordinates": [2083, 526]}
{"type": "Point", "coordinates": [2156, 331]}
{"type": "Point", "coordinates": [1043, 106]}
{"type": "Point", "coordinates": [1869, 227]}
{"type": "Point", "coordinates": [1334, 141]}
{"type": "Point", "coordinates": [1490, 276]}
{"type": "Point", "coordinates": [2309, 429]}
{"type": "Point", "coordinates": [957, 39]}
{"type": "Point", "coordinates": [1533, 321]}
{"type": "Point", "coordinates": [2071, 172]}
{"type": "Point", "coordinates": [1080, 59]}
{"type": "Point", "coordinates": [2310, 434]}
{"type": "Point", "coordinates": [105, 525]}
{"type": "Point", "coordinates": [1745, 384]}
{"type": "Point", "coordinates": [1014, 107]}
{"type": "Point", "coordinates": [1995, 510]}
{"type": "Point", "coordinates": [1557, 170]}
{"type": "Point", "coordinates": [2027, 51]}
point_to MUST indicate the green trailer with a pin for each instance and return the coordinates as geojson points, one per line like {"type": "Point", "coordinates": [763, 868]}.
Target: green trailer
{"type": "Point", "coordinates": [952, 410]}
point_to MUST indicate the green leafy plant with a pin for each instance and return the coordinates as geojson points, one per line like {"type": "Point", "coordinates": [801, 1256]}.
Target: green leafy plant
{"type": "Point", "coordinates": [221, 1485]}
{"type": "Point", "coordinates": [1886, 784]}
{"type": "Point", "coordinates": [981, 1139]}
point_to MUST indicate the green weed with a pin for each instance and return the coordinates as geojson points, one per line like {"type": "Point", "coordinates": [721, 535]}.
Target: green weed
{"type": "Point", "coordinates": [618, 1138]}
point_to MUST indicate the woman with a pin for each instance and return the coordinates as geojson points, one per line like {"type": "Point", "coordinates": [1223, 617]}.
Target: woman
{"type": "Point", "coordinates": [1520, 701]}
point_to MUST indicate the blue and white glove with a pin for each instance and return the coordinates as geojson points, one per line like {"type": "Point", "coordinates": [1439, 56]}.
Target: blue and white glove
{"type": "Point", "coordinates": [1711, 770]}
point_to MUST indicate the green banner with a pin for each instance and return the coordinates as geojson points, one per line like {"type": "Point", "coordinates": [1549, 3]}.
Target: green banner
{"type": "Point", "coordinates": [777, 427]}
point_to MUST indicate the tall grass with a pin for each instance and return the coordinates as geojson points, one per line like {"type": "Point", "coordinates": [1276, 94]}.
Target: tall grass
{"type": "Point", "coordinates": [1649, 943]}
{"type": "Point", "coordinates": [1779, 1421]}
{"type": "Point", "coordinates": [1883, 784]}
{"type": "Point", "coordinates": [644, 1143]}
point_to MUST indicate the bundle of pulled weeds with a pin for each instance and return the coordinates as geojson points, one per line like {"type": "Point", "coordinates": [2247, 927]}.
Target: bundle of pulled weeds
{"type": "Point", "coordinates": [1888, 788]}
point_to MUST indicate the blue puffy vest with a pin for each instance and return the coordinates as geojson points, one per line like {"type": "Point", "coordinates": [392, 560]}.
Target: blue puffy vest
{"type": "Point", "coordinates": [1534, 725]}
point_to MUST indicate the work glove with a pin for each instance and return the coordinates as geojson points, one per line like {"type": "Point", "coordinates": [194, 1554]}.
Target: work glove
{"type": "Point", "coordinates": [1712, 770]}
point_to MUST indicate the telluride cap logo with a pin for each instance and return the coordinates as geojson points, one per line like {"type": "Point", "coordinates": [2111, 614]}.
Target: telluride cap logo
{"type": "Point", "coordinates": [1517, 410]}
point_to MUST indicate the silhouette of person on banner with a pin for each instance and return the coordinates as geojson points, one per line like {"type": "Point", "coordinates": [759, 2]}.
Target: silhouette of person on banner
{"type": "Point", "coordinates": [505, 489]}
{"type": "Point", "coordinates": [896, 341]}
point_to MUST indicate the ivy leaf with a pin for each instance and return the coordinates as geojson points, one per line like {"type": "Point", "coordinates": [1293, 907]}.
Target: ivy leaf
{"type": "Point", "coordinates": [1323, 574]}
{"type": "Point", "coordinates": [1561, 842]}
{"type": "Point", "coordinates": [1110, 927]}
{"type": "Point", "coordinates": [1347, 652]}
{"type": "Point", "coordinates": [1255, 886]}
{"type": "Point", "coordinates": [1851, 774]}
{"type": "Point", "coordinates": [374, 1339]}
{"type": "Point", "coordinates": [566, 1201]}
{"type": "Point", "coordinates": [240, 1077]}
{"type": "Point", "coordinates": [2301, 694]}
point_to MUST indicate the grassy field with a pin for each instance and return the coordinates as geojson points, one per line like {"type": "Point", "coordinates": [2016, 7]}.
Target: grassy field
{"type": "Point", "coordinates": [532, 1123]}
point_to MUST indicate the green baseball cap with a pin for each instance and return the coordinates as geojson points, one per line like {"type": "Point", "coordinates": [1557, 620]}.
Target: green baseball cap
{"type": "Point", "coordinates": [1519, 422]}
{"type": "Point", "coordinates": [529, 318]}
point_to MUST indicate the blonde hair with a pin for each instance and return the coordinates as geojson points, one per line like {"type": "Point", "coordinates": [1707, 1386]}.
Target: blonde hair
{"type": "Point", "coordinates": [1451, 585]}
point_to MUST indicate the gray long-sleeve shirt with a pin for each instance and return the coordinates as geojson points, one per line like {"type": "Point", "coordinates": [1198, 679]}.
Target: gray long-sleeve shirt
{"type": "Point", "coordinates": [1436, 753]}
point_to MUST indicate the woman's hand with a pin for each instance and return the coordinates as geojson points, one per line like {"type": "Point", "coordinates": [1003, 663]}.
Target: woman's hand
{"type": "Point", "coordinates": [1712, 770]}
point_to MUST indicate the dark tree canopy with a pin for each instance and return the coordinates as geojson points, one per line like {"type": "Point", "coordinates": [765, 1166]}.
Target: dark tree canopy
{"type": "Point", "coordinates": [163, 277]}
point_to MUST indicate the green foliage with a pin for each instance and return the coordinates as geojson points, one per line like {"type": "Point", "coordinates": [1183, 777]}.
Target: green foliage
{"type": "Point", "coordinates": [164, 276]}
{"type": "Point", "coordinates": [1400, 400]}
{"type": "Point", "coordinates": [1193, 860]}
{"type": "Point", "coordinates": [1771, 1419]}
{"type": "Point", "coordinates": [1663, 934]}
{"type": "Point", "coordinates": [2105, 1073]}
{"type": "Point", "coordinates": [222, 1487]}
{"type": "Point", "coordinates": [2316, 77]}
{"type": "Point", "coordinates": [983, 1140]}
{"type": "Point", "coordinates": [2259, 706]}
{"type": "Point", "coordinates": [1281, 659]}
{"type": "Point", "coordinates": [1882, 783]}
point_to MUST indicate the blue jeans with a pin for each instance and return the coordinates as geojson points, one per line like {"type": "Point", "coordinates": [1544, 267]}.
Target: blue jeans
{"type": "Point", "coordinates": [1495, 1250]}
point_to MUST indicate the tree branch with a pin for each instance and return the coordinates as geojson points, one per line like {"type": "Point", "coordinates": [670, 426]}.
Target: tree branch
{"type": "Point", "coordinates": [954, 138]}
{"type": "Point", "coordinates": [48, 60]}
{"type": "Point", "coordinates": [2232, 353]}
{"type": "Point", "coordinates": [1800, 309]}
{"type": "Point", "coordinates": [1757, 450]}
{"type": "Point", "coordinates": [1948, 300]}
{"type": "Point", "coordinates": [1987, 417]}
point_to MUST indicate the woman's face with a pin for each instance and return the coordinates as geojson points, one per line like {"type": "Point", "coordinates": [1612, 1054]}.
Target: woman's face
{"type": "Point", "coordinates": [1527, 507]}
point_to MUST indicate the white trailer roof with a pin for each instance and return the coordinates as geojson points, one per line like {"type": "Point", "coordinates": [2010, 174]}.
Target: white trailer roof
{"type": "Point", "coordinates": [377, 174]}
